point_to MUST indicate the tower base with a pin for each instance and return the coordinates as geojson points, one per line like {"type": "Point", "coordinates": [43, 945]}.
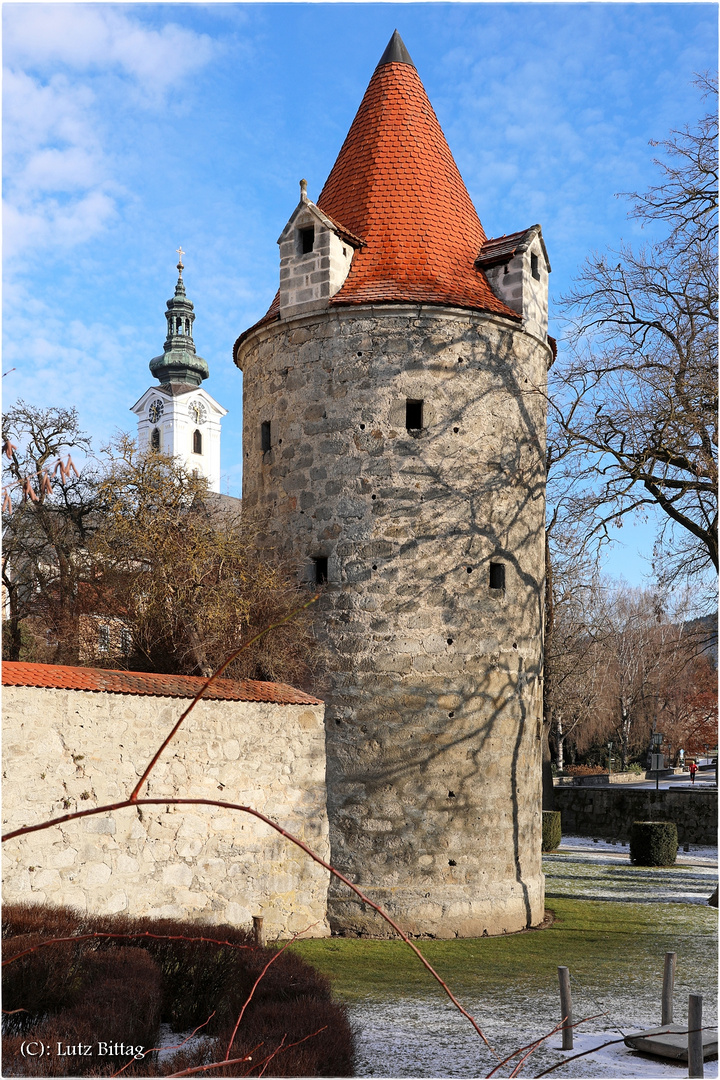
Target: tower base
{"type": "Point", "coordinates": [454, 911]}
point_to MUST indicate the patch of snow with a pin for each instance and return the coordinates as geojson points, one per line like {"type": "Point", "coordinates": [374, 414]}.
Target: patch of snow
{"type": "Point", "coordinates": [696, 852]}
{"type": "Point", "coordinates": [619, 1061]}
{"type": "Point", "coordinates": [171, 1042]}
{"type": "Point", "coordinates": [416, 1038]}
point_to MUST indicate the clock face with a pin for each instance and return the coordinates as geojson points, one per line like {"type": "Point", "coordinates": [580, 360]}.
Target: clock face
{"type": "Point", "coordinates": [155, 411]}
{"type": "Point", "coordinates": [198, 412]}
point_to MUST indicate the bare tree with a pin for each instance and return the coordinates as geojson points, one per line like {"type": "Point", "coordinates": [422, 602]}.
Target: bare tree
{"type": "Point", "coordinates": [49, 513]}
{"type": "Point", "coordinates": [187, 576]}
{"type": "Point", "coordinates": [644, 672]}
{"type": "Point", "coordinates": [136, 545]}
{"type": "Point", "coordinates": [634, 396]}
{"type": "Point", "coordinates": [577, 625]}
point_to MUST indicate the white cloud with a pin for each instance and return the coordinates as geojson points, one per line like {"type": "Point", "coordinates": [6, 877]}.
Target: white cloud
{"type": "Point", "coordinates": [73, 72]}
{"type": "Point", "coordinates": [85, 37]}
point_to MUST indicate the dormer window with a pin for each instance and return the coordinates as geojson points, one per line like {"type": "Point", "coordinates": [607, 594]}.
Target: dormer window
{"type": "Point", "coordinates": [307, 240]}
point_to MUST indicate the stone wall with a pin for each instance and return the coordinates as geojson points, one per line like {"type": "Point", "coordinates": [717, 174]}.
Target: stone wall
{"type": "Point", "coordinates": [66, 750]}
{"type": "Point", "coordinates": [434, 696]}
{"type": "Point", "coordinates": [608, 813]}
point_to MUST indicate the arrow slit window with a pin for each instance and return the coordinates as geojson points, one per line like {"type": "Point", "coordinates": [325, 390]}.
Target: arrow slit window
{"type": "Point", "coordinates": [413, 415]}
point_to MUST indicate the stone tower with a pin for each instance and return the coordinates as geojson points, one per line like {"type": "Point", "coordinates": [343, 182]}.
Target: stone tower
{"type": "Point", "coordinates": [178, 417]}
{"type": "Point", "coordinates": [394, 436]}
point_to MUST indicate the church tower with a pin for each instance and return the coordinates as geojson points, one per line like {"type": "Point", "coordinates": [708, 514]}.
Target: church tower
{"type": "Point", "coordinates": [178, 417]}
{"type": "Point", "coordinates": [394, 441]}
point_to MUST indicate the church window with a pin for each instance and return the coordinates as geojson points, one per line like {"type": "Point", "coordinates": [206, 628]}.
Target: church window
{"type": "Point", "coordinates": [125, 641]}
{"type": "Point", "coordinates": [104, 639]}
{"type": "Point", "coordinates": [413, 415]}
{"type": "Point", "coordinates": [178, 326]}
{"type": "Point", "coordinates": [307, 240]}
{"type": "Point", "coordinates": [535, 266]}
{"type": "Point", "coordinates": [155, 439]}
{"type": "Point", "coordinates": [197, 442]}
{"type": "Point", "coordinates": [321, 569]}
{"type": "Point", "coordinates": [497, 575]}
{"type": "Point", "coordinates": [187, 326]}
{"type": "Point", "coordinates": [265, 440]}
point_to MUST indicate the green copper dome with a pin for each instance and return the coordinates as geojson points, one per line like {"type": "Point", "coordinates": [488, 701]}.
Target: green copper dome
{"type": "Point", "coordinates": [179, 362]}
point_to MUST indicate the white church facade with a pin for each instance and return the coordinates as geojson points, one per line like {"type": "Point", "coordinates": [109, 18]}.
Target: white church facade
{"type": "Point", "coordinates": [178, 417]}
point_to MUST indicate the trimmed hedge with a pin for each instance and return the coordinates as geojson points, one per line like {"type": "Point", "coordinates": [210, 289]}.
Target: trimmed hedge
{"type": "Point", "coordinates": [653, 843]}
{"type": "Point", "coordinates": [551, 830]}
{"type": "Point", "coordinates": [119, 985]}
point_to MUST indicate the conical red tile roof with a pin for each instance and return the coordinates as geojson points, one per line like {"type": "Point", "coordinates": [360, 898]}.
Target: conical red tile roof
{"type": "Point", "coordinates": [396, 185]}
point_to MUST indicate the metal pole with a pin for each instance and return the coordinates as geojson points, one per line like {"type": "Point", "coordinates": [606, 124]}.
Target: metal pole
{"type": "Point", "coordinates": [566, 1008]}
{"type": "Point", "coordinates": [668, 987]}
{"type": "Point", "coordinates": [695, 1039]}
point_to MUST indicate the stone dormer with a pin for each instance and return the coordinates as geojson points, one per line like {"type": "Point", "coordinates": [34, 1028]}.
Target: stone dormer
{"type": "Point", "coordinates": [315, 257]}
{"type": "Point", "coordinates": [517, 268]}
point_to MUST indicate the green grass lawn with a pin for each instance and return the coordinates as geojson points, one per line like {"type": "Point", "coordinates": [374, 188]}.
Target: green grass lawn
{"type": "Point", "coordinates": [615, 949]}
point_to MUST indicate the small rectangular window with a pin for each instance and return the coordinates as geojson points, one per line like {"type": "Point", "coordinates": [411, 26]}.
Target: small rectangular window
{"type": "Point", "coordinates": [413, 415]}
{"type": "Point", "coordinates": [265, 442]}
{"type": "Point", "coordinates": [104, 639]}
{"type": "Point", "coordinates": [321, 569]}
{"type": "Point", "coordinates": [126, 641]}
{"type": "Point", "coordinates": [497, 575]}
{"type": "Point", "coordinates": [535, 266]}
{"type": "Point", "coordinates": [307, 240]}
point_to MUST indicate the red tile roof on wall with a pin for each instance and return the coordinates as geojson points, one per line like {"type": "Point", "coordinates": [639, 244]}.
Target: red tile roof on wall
{"type": "Point", "coordinates": [100, 680]}
{"type": "Point", "coordinates": [395, 185]}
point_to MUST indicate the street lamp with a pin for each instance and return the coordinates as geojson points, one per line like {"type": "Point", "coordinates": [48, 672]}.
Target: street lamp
{"type": "Point", "coordinates": [656, 762]}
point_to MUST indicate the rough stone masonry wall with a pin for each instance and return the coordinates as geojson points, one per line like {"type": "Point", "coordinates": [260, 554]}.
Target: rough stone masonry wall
{"type": "Point", "coordinates": [67, 750]}
{"type": "Point", "coordinates": [608, 814]}
{"type": "Point", "coordinates": [433, 712]}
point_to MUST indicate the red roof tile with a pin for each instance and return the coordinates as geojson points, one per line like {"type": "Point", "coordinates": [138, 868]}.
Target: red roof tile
{"type": "Point", "coordinates": [60, 677]}
{"type": "Point", "coordinates": [500, 249]}
{"type": "Point", "coordinates": [395, 184]}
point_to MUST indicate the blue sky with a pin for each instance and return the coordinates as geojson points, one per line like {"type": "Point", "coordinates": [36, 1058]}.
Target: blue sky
{"type": "Point", "coordinates": [130, 129]}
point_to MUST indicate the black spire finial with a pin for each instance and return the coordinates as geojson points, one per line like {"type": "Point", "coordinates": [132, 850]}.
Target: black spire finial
{"type": "Point", "coordinates": [396, 53]}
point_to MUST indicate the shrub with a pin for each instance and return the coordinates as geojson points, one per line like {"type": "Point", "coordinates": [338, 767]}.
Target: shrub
{"type": "Point", "coordinates": [551, 830]}
{"type": "Point", "coordinates": [585, 770]}
{"type": "Point", "coordinates": [121, 989]}
{"type": "Point", "coordinates": [653, 843]}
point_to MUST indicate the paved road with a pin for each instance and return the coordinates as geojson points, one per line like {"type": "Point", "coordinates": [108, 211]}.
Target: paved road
{"type": "Point", "coordinates": [705, 780]}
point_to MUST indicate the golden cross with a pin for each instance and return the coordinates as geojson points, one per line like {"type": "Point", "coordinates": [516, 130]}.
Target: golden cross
{"type": "Point", "coordinates": [180, 252]}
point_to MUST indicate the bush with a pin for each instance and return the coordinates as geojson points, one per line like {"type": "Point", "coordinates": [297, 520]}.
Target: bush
{"type": "Point", "coordinates": [119, 989]}
{"type": "Point", "coordinates": [653, 843]}
{"type": "Point", "coordinates": [551, 830]}
{"type": "Point", "coordinates": [585, 770]}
